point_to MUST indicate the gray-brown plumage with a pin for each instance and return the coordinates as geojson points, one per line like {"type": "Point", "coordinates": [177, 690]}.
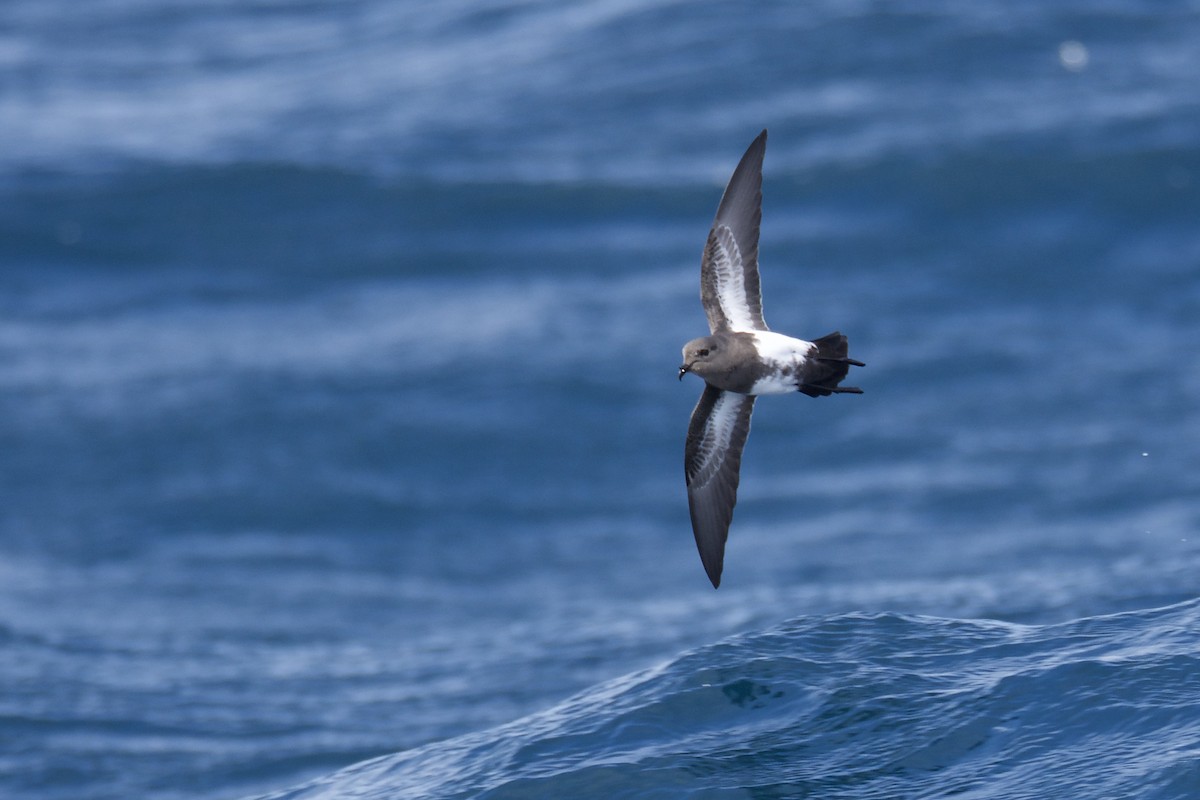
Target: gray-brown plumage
{"type": "Point", "coordinates": [741, 359]}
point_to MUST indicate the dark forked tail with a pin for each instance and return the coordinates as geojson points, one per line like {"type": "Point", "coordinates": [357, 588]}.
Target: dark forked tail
{"type": "Point", "coordinates": [826, 367]}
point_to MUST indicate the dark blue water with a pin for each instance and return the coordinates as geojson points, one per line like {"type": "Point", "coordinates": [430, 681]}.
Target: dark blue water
{"type": "Point", "coordinates": [339, 421]}
{"type": "Point", "coordinates": [850, 706]}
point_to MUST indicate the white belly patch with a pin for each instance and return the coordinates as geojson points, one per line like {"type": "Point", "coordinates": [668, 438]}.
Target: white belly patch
{"type": "Point", "coordinates": [783, 353]}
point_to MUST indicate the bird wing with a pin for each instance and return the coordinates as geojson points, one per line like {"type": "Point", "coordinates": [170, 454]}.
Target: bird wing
{"type": "Point", "coordinates": [716, 435]}
{"type": "Point", "coordinates": [729, 285]}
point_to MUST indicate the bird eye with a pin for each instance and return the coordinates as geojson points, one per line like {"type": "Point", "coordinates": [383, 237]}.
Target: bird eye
{"type": "Point", "coordinates": [703, 351]}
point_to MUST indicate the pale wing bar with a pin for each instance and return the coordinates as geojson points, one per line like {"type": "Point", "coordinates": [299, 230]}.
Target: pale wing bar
{"type": "Point", "coordinates": [729, 282]}
{"type": "Point", "coordinates": [723, 286]}
{"type": "Point", "coordinates": [716, 437]}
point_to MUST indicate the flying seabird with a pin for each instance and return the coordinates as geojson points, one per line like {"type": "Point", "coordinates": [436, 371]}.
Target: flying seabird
{"type": "Point", "coordinates": [742, 359]}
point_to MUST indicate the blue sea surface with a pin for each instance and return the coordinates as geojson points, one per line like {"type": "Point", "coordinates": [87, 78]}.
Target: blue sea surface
{"type": "Point", "coordinates": [341, 446]}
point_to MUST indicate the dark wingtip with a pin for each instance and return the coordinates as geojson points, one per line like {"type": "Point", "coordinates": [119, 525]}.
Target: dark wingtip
{"type": "Point", "coordinates": [714, 565]}
{"type": "Point", "coordinates": [759, 143]}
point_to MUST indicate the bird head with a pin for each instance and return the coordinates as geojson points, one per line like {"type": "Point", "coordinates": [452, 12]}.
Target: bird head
{"type": "Point", "coordinates": [697, 354]}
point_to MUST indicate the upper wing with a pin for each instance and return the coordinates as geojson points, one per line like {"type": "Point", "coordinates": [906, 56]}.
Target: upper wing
{"type": "Point", "coordinates": [716, 435]}
{"type": "Point", "coordinates": [729, 287]}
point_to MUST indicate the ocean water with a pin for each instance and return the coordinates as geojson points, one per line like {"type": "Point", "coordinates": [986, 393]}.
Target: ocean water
{"type": "Point", "coordinates": [340, 441]}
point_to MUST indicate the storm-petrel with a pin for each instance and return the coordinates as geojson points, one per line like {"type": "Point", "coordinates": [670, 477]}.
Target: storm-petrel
{"type": "Point", "coordinates": [741, 360]}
